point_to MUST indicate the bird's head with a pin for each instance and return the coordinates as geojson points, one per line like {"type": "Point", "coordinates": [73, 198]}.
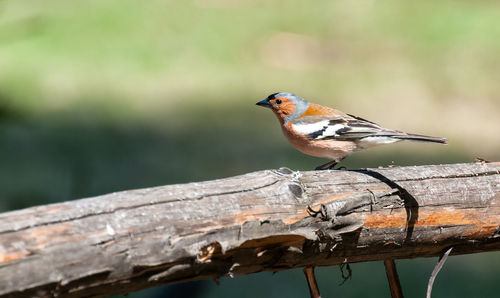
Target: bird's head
{"type": "Point", "coordinates": [286, 106]}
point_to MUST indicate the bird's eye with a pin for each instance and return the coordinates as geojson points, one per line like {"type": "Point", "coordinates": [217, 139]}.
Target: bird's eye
{"type": "Point", "coordinates": [278, 101]}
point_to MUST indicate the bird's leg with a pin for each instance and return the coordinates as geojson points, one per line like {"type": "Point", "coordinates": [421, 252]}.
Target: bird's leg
{"type": "Point", "coordinates": [327, 166]}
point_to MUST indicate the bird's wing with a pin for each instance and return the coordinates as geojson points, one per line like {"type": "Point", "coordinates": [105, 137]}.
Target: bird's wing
{"type": "Point", "coordinates": [340, 127]}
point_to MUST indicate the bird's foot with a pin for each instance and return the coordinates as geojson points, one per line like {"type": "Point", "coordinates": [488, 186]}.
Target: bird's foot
{"type": "Point", "coordinates": [327, 166]}
{"type": "Point", "coordinates": [481, 160]}
{"type": "Point", "coordinates": [330, 166]}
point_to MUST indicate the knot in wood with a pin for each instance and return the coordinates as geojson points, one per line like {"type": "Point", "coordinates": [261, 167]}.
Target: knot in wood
{"type": "Point", "coordinates": [210, 251]}
{"type": "Point", "coordinates": [284, 171]}
{"type": "Point", "coordinates": [296, 190]}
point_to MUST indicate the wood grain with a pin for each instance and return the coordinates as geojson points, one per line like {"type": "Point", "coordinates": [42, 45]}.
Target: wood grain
{"type": "Point", "coordinates": [136, 239]}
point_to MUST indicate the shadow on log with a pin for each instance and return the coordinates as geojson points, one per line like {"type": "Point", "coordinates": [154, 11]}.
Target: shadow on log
{"type": "Point", "coordinates": [264, 221]}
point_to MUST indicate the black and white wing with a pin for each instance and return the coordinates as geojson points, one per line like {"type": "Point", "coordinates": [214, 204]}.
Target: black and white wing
{"type": "Point", "coordinates": [345, 128]}
{"type": "Point", "coordinates": [352, 128]}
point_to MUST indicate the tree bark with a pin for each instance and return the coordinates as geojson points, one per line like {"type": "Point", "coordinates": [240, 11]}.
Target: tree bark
{"type": "Point", "coordinates": [260, 221]}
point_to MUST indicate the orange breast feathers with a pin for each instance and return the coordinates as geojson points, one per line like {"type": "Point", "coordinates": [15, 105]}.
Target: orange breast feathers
{"type": "Point", "coordinates": [319, 148]}
{"type": "Point", "coordinates": [317, 110]}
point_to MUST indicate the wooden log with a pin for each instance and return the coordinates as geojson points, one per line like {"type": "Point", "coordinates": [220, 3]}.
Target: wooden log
{"type": "Point", "coordinates": [260, 221]}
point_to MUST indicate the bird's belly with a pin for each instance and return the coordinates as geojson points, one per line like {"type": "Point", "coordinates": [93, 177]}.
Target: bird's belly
{"type": "Point", "coordinates": [332, 149]}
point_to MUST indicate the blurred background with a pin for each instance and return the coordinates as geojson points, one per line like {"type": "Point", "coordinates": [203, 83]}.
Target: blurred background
{"type": "Point", "coordinates": [99, 96]}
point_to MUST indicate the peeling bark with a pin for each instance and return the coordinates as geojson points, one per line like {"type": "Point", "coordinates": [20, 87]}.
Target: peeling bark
{"type": "Point", "coordinates": [264, 221]}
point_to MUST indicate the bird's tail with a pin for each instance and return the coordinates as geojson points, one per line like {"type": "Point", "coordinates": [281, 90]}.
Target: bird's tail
{"type": "Point", "coordinates": [421, 138]}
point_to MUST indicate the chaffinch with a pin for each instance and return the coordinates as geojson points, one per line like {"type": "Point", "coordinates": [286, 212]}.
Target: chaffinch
{"type": "Point", "coordinates": [324, 132]}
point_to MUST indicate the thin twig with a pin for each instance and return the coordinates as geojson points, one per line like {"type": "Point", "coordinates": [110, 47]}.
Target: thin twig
{"type": "Point", "coordinates": [311, 282]}
{"type": "Point", "coordinates": [346, 271]}
{"type": "Point", "coordinates": [442, 258]}
{"type": "Point", "coordinates": [393, 278]}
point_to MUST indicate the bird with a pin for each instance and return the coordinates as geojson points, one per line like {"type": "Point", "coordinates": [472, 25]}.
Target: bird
{"type": "Point", "coordinates": [324, 132]}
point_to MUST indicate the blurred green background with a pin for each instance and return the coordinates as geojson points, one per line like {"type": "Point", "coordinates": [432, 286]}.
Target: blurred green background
{"type": "Point", "coordinates": [100, 96]}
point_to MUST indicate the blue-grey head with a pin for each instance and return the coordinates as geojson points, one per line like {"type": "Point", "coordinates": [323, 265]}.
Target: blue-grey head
{"type": "Point", "coordinates": [286, 106]}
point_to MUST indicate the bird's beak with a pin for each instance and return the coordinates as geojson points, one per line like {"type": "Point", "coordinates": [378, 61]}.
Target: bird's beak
{"type": "Point", "coordinates": [264, 103]}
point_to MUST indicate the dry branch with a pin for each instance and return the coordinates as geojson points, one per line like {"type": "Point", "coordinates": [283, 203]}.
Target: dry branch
{"type": "Point", "coordinates": [260, 221]}
{"type": "Point", "coordinates": [393, 278]}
